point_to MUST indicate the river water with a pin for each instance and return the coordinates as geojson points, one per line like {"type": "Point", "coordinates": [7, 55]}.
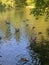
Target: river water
{"type": "Point", "coordinates": [16, 29]}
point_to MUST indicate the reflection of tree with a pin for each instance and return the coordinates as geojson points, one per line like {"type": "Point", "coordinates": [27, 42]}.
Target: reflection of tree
{"type": "Point", "coordinates": [9, 7]}
{"type": "Point", "coordinates": [17, 33]}
{"type": "Point", "coordinates": [11, 4]}
{"type": "Point", "coordinates": [8, 34]}
{"type": "Point", "coordinates": [42, 50]}
{"type": "Point", "coordinates": [41, 7]}
{"type": "Point", "coordinates": [20, 2]}
{"type": "Point", "coordinates": [2, 6]}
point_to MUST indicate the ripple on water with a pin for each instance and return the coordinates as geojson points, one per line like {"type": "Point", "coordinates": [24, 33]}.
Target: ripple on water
{"type": "Point", "coordinates": [15, 52]}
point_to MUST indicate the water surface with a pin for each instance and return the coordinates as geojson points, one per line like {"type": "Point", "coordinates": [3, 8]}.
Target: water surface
{"type": "Point", "coordinates": [16, 35]}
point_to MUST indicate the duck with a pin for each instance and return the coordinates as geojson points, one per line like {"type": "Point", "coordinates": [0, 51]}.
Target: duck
{"type": "Point", "coordinates": [24, 60]}
{"type": "Point", "coordinates": [33, 27]}
{"type": "Point", "coordinates": [39, 33]}
{"type": "Point", "coordinates": [17, 30]}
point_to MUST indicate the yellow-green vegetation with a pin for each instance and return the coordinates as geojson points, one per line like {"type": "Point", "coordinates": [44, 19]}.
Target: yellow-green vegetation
{"type": "Point", "coordinates": [15, 3]}
{"type": "Point", "coordinates": [8, 3]}
{"type": "Point", "coordinates": [41, 8]}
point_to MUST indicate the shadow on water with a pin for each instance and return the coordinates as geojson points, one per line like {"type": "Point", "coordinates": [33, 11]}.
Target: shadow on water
{"type": "Point", "coordinates": [14, 47]}
{"type": "Point", "coordinates": [42, 47]}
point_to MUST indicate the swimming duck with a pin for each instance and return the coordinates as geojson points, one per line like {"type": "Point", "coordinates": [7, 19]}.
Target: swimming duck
{"type": "Point", "coordinates": [17, 30]}
{"type": "Point", "coordinates": [39, 33]}
{"type": "Point", "coordinates": [24, 60]}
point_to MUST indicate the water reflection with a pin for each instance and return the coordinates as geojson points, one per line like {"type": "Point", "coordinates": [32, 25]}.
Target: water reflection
{"type": "Point", "coordinates": [17, 29]}
{"type": "Point", "coordinates": [17, 34]}
{"type": "Point", "coordinates": [8, 33]}
{"type": "Point", "coordinates": [17, 52]}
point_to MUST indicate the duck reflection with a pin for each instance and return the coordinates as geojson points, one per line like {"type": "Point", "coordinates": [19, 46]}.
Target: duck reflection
{"type": "Point", "coordinates": [17, 34]}
{"type": "Point", "coordinates": [8, 33]}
